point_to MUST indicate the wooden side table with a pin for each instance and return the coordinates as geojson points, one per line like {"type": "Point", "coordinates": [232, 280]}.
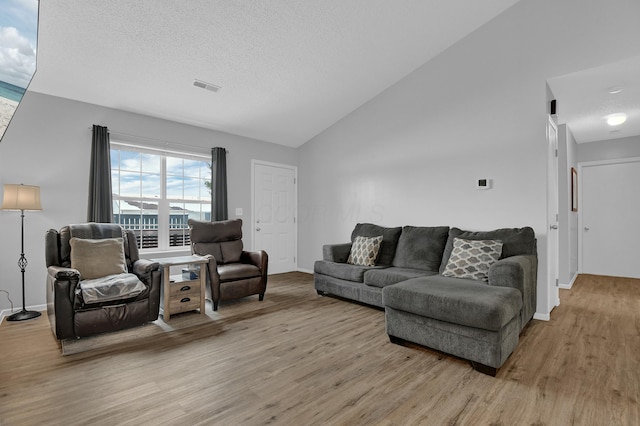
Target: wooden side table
{"type": "Point", "coordinates": [180, 295]}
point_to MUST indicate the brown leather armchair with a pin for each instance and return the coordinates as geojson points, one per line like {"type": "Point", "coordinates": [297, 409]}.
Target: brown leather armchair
{"type": "Point", "coordinates": [232, 272]}
{"type": "Point", "coordinates": [72, 314]}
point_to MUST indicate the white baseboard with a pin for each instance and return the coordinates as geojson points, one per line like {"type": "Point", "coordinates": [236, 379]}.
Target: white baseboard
{"type": "Point", "coordinates": [8, 313]}
{"type": "Point", "coordinates": [542, 317]}
{"type": "Point", "coordinates": [568, 286]}
{"type": "Point", "coordinates": [306, 271]}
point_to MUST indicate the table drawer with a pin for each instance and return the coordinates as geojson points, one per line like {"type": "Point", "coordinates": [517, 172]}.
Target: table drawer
{"type": "Point", "coordinates": [183, 304]}
{"type": "Point", "coordinates": [184, 289]}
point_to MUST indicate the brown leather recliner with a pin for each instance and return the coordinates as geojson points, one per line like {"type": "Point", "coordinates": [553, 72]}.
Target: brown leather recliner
{"type": "Point", "coordinates": [73, 315]}
{"type": "Point", "coordinates": [232, 272]}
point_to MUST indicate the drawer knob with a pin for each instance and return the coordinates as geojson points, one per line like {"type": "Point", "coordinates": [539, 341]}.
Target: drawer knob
{"type": "Point", "coordinates": [185, 288]}
{"type": "Point", "coordinates": [185, 299]}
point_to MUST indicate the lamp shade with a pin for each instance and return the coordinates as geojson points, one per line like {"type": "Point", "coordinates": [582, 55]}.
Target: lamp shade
{"type": "Point", "coordinates": [21, 197]}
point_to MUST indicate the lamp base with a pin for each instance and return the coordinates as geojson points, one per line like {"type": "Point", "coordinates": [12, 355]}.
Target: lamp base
{"type": "Point", "coordinates": [23, 315]}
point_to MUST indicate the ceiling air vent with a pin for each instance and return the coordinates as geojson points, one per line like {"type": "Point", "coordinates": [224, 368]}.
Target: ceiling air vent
{"type": "Point", "coordinates": [205, 85]}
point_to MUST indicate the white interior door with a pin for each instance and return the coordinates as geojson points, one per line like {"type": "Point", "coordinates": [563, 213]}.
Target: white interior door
{"type": "Point", "coordinates": [274, 214]}
{"type": "Point", "coordinates": [553, 237]}
{"type": "Point", "coordinates": [610, 224]}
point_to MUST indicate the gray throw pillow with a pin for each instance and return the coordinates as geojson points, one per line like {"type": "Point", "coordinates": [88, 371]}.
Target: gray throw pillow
{"type": "Point", "coordinates": [97, 258]}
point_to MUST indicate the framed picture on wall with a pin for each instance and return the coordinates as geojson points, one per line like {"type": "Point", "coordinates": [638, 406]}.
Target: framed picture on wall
{"type": "Point", "coordinates": [574, 190]}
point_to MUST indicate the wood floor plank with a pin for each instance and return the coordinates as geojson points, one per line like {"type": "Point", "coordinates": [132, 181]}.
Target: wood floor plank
{"type": "Point", "coordinates": [299, 358]}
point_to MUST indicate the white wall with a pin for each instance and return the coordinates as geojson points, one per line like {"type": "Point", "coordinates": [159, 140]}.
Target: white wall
{"type": "Point", "coordinates": [568, 219]}
{"type": "Point", "coordinates": [49, 143]}
{"type": "Point", "coordinates": [605, 150]}
{"type": "Point", "coordinates": [411, 155]}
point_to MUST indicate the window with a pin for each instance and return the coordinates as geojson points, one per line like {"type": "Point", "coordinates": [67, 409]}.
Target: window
{"type": "Point", "coordinates": [155, 193]}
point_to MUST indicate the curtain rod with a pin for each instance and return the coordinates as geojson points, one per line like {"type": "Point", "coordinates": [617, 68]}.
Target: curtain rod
{"type": "Point", "coordinates": [167, 143]}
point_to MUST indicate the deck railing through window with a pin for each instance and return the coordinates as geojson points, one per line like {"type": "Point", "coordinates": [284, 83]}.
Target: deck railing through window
{"type": "Point", "coordinates": [146, 231]}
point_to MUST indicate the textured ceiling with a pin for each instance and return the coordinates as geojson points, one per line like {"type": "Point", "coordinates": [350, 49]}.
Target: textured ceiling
{"type": "Point", "coordinates": [584, 100]}
{"type": "Point", "coordinates": [287, 69]}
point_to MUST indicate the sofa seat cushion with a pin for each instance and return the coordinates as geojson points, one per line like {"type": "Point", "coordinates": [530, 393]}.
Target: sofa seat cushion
{"type": "Point", "coordinates": [237, 271]}
{"type": "Point", "coordinates": [455, 300]}
{"type": "Point", "coordinates": [343, 271]}
{"type": "Point", "coordinates": [388, 276]}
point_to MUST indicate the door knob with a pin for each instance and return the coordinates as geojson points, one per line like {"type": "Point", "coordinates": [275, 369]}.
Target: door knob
{"type": "Point", "coordinates": [586, 228]}
{"type": "Point", "coordinates": [257, 229]}
{"type": "Point", "coordinates": [554, 227]}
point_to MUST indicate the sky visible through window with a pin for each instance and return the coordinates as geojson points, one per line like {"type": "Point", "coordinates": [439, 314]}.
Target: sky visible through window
{"type": "Point", "coordinates": [18, 38]}
{"type": "Point", "coordinates": [138, 175]}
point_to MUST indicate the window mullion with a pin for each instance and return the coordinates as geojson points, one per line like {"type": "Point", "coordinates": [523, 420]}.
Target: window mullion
{"type": "Point", "coordinates": [163, 207]}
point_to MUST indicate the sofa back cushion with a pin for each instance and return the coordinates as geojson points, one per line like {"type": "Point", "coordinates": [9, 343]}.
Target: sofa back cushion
{"type": "Point", "coordinates": [515, 241]}
{"type": "Point", "coordinates": [58, 245]}
{"type": "Point", "coordinates": [389, 239]}
{"type": "Point", "coordinates": [203, 249]}
{"type": "Point", "coordinates": [231, 251]}
{"type": "Point", "coordinates": [222, 239]}
{"type": "Point", "coordinates": [421, 247]}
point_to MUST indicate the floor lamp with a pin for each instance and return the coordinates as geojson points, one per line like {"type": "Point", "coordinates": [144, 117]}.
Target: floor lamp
{"type": "Point", "coordinates": [22, 197]}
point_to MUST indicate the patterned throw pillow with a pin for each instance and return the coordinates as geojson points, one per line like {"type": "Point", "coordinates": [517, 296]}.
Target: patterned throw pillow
{"type": "Point", "coordinates": [364, 251]}
{"type": "Point", "coordinates": [472, 258]}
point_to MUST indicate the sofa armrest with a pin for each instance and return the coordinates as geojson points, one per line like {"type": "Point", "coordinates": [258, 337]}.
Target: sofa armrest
{"type": "Point", "coordinates": [61, 273]}
{"type": "Point", "coordinates": [62, 278]}
{"type": "Point", "coordinates": [519, 272]}
{"type": "Point", "coordinates": [143, 269]}
{"type": "Point", "coordinates": [338, 253]}
{"type": "Point", "coordinates": [257, 258]}
{"type": "Point", "coordinates": [61, 286]}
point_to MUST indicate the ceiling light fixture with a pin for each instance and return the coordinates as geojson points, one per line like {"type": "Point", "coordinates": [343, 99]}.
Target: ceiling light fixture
{"type": "Point", "coordinates": [616, 119]}
{"type": "Point", "coordinates": [205, 85]}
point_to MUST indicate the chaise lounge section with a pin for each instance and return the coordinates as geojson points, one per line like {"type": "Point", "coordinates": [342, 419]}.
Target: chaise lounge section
{"type": "Point", "coordinates": [431, 300]}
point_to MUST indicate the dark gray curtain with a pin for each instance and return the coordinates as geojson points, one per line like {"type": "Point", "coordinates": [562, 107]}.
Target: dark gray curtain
{"type": "Point", "coordinates": [100, 208]}
{"type": "Point", "coordinates": [219, 184]}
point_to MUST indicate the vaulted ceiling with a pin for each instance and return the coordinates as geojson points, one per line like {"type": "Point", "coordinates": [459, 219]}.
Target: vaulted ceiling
{"type": "Point", "coordinates": [286, 69]}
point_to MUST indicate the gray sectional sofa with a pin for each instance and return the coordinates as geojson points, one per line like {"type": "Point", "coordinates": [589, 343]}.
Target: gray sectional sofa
{"type": "Point", "coordinates": [472, 319]}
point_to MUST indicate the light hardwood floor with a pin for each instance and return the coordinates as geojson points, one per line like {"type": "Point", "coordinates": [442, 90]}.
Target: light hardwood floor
{"type": "Point", "coordinates": [300, 359]}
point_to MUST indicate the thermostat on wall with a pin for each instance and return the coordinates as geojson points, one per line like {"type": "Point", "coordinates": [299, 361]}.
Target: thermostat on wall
{"type": "Point", "coordinates": [484, 184]}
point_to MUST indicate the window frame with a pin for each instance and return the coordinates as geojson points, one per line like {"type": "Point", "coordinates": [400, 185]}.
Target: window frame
{"type": "Point", "coordinates": [164, 203]}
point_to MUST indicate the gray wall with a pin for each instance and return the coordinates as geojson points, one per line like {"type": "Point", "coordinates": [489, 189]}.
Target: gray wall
{"type": "Point", "coordinates": [49, 143]}
{"type": "Point", "coordinates": [412, 154]}
{"type": "Point", "coordinates": [610, 149]}
{"type": "Point", "coordinates": [409, 156]}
